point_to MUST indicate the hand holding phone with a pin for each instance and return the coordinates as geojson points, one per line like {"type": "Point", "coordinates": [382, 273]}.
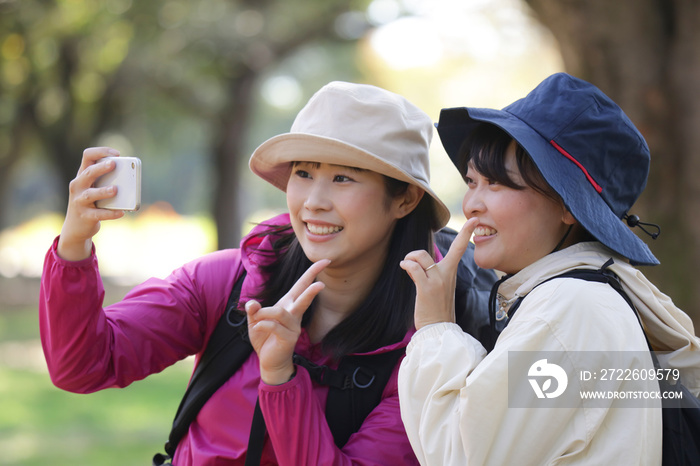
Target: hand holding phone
{"type": "Point", "coordinates": [126, 176]}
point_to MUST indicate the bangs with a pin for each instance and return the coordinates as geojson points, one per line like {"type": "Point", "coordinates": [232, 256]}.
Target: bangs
{"type": "Point", "coordinates": [317, 165]}
{"type": "Point", "coordinates": [485, 150]}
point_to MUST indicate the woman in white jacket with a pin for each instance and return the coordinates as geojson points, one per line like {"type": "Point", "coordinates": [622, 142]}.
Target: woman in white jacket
{"type": "Point", "coordinates": [551, 179]}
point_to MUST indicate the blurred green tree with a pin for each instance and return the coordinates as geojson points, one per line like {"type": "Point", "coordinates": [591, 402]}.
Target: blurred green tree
{"type": "Point", "coordinates": [646, 56]}
{"type": "Point", "coordinates": [72, 71]}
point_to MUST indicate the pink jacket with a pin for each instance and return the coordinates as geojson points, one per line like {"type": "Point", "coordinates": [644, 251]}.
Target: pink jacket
{"type": "Point", "coordinates": [159, 322]}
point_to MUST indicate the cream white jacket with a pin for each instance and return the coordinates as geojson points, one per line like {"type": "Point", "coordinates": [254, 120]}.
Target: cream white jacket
{"type": "Point", "coordinates": [454, 397]}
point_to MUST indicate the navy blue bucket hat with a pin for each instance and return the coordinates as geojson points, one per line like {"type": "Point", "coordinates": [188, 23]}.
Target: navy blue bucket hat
{"type": "Point", "coordinates": [584, 145]}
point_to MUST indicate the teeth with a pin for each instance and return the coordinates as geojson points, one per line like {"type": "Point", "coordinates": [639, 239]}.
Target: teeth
{"type": "Point", "coordinates": [483, 231]}
{"type": "Point", "coordinates": [322, 230]}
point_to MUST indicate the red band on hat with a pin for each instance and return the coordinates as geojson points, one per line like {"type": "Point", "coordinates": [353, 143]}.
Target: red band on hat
{"type": "Point", "coordinates": [596, 186]}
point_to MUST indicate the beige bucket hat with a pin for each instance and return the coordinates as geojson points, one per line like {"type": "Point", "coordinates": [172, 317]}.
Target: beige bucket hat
{"type": "Point", "coordinates": [356, 125]}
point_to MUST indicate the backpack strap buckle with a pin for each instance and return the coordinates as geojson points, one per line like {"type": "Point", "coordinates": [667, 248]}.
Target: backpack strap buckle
{"type": "Point", "coordinates": [360, 376]}
{"type": "Point", "coordinates": [237, 320]}
{"type": "Point", "coordinates": [343, 380]}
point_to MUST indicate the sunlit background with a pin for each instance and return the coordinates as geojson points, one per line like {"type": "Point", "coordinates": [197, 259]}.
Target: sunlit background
{"type": "Point", "coordinates": [447, 53]}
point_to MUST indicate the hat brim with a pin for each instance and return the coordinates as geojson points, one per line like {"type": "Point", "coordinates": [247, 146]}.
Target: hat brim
{"type": "Point", "coordinates": [272, 162]}
{"type": "Point", "coordinates": [578, 194]}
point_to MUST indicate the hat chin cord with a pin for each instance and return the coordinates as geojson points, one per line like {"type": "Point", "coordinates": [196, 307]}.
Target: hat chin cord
{"type": "Point", "coordinates": [633, 221]}
{"type": "Point", "coordinates": [561, 242]}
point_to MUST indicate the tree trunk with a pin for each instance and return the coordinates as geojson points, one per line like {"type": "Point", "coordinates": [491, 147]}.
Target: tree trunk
{"type": "Point", "coordinates": [645, 54]}
{"type": "Point", "coordinates": [76, 129]}
{"type": "Point", "coordinates": [11, 156]}
{"type": "Point", "coordinates": [228, 158]}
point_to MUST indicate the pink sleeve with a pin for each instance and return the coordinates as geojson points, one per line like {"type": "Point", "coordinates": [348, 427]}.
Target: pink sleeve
{"type": "Point", "coordinates": [296, 422]}
{"type": "Point", "coordinates": [159, 322]}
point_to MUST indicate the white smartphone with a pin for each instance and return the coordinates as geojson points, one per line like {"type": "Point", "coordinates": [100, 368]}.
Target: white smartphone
{"type": "Point", "coordinates": [126, 176]}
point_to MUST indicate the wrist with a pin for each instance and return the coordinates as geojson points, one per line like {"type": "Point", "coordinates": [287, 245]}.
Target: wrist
{"type": "Point", "coordinates": [424, 321]}
{"type": "Point", "coordinates": [278, 377]}
{"type": "Point", "coordinates": [72, 250]}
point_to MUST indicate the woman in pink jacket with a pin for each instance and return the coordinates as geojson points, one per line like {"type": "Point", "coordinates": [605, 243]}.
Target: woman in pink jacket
{"type": "Point", "coordinates": [322, 281]}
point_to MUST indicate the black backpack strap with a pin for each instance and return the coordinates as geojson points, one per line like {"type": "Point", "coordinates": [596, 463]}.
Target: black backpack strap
{"type": "Point", "coordinates": [367, 375]}
{"type": "Point", "coordinates": [496, 322]}
{"type": "Point", "coordinates": [256, 439]}
{"type": "Point", "coordinates": [227, 349]}
{"type": "Point", "coordinates": [601, 275]}
{"type": "Point", "coordinates": [355, 389]}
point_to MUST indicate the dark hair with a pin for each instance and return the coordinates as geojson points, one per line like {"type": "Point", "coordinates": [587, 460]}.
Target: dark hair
{"type": "Point", "coordinates": [386, 314]}
{"type": "Point", "coordinates": [485, 148]}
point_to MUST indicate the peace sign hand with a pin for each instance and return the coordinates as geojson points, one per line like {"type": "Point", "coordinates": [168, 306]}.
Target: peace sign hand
{"type": "Point", "coordinates": [435, 282]}
{"type": "Point", "coordinates": [274, 330]}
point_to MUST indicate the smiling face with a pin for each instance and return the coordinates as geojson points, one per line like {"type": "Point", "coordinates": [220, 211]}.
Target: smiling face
{"type": "Point", "coordinates": [343, 214]}
{"type": "Point", "coordinates": [517, 225]}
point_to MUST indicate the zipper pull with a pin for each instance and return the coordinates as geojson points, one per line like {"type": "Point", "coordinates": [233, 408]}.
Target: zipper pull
{"type": "Point", "coordinates": [501, 313]}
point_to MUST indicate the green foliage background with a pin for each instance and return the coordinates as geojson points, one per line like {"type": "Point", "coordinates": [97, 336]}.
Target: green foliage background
{"type": "Point", "coordinates": [41, 424]}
